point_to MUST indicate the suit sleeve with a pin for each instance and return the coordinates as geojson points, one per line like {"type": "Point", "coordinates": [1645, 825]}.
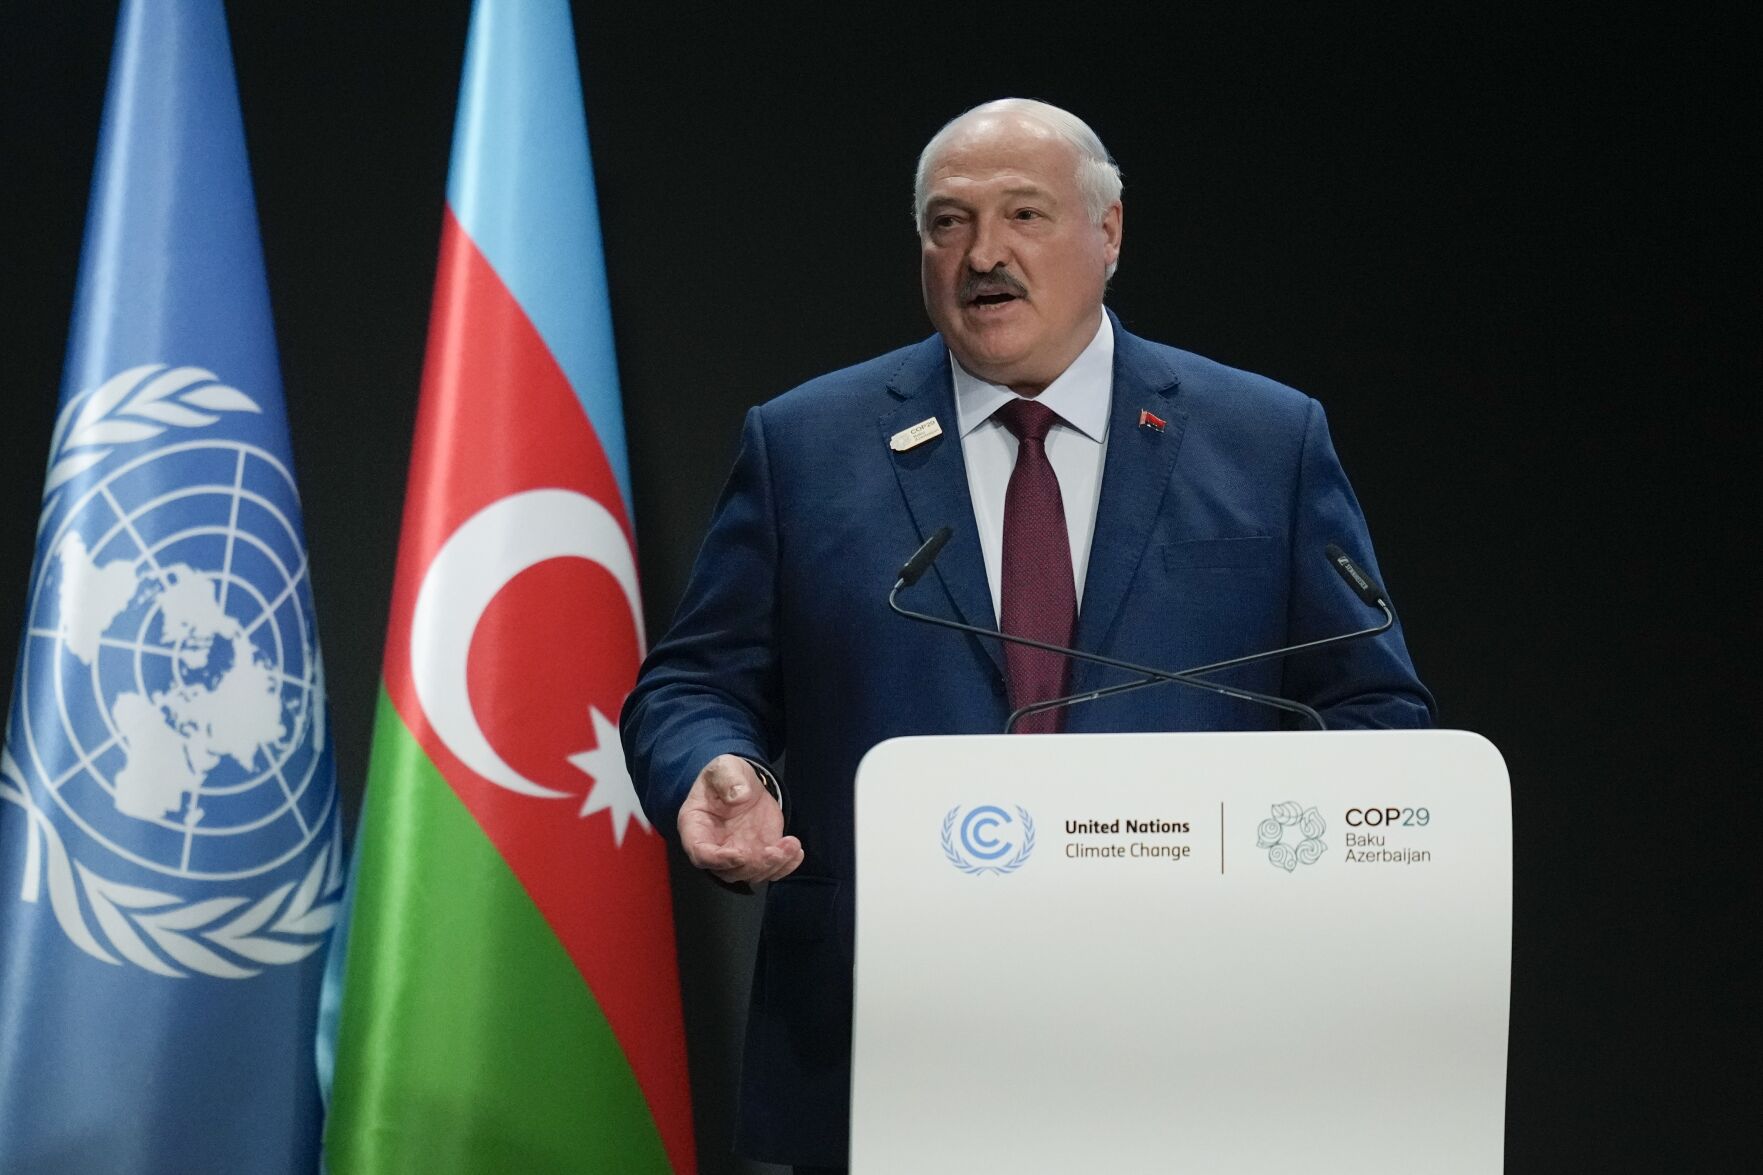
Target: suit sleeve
{"type": "Point", "coordinates": [1358, 684]}
{"type": "Point", "coordinates": [710, 687]}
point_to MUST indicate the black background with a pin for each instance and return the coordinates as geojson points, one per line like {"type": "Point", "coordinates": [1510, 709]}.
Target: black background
{"type": "Point", "coordinates": [1507, 250]}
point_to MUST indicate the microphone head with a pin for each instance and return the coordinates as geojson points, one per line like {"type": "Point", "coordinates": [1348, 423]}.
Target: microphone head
{"type": "Point", "coordinates": [1362, 584]}
{"type": "Point", "coordinates": [922, 558]}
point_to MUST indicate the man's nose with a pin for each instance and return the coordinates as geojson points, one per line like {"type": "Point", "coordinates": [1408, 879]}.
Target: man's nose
{"type": "Point", "coordinates": [988, 249]}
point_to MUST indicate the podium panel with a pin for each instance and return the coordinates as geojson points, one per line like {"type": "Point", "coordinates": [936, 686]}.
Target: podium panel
{"type": "Point", "coordinates": [1182, 952]}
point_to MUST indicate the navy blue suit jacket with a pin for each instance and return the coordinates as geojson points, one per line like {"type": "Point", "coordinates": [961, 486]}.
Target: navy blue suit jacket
{"type": "Point", "coordinates": [1208, 544]}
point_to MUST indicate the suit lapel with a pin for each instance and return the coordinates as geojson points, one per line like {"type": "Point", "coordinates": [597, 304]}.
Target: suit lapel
{"type": "Point", "coordinates": [933, 479]}
{"type": "Point", "coordinates": [1135, 476]}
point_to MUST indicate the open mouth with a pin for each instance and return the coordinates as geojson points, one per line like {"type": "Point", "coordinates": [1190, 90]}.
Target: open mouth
{"type": "Point", "coordinates": [991, 291]}
{"type": "Point", "coordinates": [992, 299]}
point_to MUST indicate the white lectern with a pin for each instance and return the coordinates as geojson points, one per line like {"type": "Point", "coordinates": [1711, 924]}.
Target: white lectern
{"type": "Point", "coordinates": [1182, 952]}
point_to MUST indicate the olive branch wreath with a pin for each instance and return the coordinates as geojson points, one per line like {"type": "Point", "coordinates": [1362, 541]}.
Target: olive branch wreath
{"type": "Point", "coordinates": [966, 866]}
{"type": "Point", "coordinates": [188, 933]}
{"type": "Point", "coordinates": [134, 405]}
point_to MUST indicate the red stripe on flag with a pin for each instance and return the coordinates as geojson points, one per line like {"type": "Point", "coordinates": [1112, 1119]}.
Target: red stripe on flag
{"type": "Point", "coordinates": [498, 417]}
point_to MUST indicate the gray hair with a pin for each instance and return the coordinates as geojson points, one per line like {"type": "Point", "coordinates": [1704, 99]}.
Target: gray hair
{"type": "Point", "coordinates": [1098, 176]}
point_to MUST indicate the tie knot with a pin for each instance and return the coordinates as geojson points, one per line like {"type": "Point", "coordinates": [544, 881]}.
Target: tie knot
{"type": "Point", "coordinates": [1027, 420]}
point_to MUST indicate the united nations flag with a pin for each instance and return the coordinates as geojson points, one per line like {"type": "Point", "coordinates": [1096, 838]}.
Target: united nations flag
{"type": "Point", "coordinates": [169, 836]}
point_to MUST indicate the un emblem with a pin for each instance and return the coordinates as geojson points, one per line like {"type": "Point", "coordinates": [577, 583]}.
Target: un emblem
{"type": "Point", "coordinates": [167, 740]}
{"type": "Point", "coordinates": [988, 839]}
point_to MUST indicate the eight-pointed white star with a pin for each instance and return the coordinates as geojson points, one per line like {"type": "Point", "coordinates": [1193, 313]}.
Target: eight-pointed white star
{"type": "Point", "coordinates": [612, 791]}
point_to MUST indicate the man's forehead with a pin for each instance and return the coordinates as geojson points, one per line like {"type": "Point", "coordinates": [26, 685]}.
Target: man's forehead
{"type": "Point", "coordinates": [963, 189]}
{"type": "Point", "coordinates": [991, 173]}
{"type": "Point", "coordinates": [999, 127]}
{"type": "Point", "coordinates": [992, 144]}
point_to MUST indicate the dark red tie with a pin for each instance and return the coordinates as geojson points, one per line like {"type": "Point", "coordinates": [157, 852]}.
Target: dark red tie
{"type": "Point", "coordinates": [1039, 594]}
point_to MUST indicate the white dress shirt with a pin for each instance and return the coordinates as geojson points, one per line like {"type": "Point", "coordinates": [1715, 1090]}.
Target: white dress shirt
{"type": "Point", "coordinates": [1076, 446]}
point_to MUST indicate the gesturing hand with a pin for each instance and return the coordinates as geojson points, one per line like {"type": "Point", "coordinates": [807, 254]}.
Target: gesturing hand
{"type": "Point", "coordinates": [730, 825]}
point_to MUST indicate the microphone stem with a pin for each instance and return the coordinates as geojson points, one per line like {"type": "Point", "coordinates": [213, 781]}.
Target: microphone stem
{"type": "Point", "coordinates": [1017, 715]}
{"type": "Point", "coordinates": [1112, 662]}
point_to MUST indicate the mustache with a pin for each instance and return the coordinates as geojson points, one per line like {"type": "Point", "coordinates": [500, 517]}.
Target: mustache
{"type": "Point", "coordinates": [997, 280]}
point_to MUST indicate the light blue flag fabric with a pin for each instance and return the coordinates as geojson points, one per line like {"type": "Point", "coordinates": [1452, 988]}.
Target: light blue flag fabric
{"type": "Point", "coordinates": [170, 858]}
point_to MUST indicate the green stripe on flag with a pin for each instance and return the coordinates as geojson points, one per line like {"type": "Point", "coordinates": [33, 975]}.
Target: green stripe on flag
{"type": "Point", "coordinates": [469, 1041]}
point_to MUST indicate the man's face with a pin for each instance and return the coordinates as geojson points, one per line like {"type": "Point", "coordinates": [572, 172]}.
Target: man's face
{"type": "Point", "coordinates": [1013, 265]}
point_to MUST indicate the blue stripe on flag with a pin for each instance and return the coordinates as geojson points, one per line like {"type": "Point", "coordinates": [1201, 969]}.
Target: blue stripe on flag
{"type": "Point", "coordinates": [522, 187]}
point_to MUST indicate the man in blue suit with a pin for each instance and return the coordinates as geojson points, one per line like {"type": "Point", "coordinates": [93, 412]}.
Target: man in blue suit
{"type": "Point", "coordinates": [1104, 492]}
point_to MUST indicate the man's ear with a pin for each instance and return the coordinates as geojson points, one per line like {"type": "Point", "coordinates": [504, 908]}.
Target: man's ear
{"type": "Point", "coordinates": [1111, 228]}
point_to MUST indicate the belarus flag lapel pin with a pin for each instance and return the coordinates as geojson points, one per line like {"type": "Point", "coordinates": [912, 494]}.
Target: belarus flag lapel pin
{"type": "Point", "coordinates": [1150, 420]}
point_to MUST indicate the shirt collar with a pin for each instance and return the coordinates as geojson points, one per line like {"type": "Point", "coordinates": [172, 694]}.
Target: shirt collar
{"type": "Point", "coordinates": [1080, 396]}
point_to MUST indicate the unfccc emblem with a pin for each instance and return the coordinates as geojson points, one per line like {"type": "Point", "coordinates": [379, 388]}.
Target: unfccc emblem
{"type": "Point", "coordinates": [988, 839]}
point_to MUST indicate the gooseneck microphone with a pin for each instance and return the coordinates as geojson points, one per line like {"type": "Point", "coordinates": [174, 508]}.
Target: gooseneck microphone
{"type": "Point", "coordinates": [922, 558]}
{"type": "Point", "coordinates": [915, 567]}
{"type": "Point", "coordinates": [1356, 579]}
{"type": "Point", "coordinates": [1362, 585]}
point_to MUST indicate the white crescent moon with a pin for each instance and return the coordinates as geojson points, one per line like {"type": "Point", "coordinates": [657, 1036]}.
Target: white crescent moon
{"type": "Point", "coordinates": [477, 560]}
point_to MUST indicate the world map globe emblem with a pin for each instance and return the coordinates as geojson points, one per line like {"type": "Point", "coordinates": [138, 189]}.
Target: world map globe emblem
{"type": "Point", "coordinates": [170, 694]}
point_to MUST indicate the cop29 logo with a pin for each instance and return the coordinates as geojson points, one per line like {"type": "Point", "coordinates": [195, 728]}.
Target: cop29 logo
{"type": "Point", "coordinates": [988, 839]}
{"type": "Point", "coordinates": [1292, 836]}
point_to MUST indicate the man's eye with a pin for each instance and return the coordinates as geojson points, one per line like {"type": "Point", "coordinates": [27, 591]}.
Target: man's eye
{"type": "Point", "coordinates": [944, 221]}
{"type": "Point", "coordinates": [1027, 214]}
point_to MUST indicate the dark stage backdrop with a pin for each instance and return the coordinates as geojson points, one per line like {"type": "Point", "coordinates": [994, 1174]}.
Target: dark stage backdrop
{"type": "Point", "coordinates": [1505, 250]}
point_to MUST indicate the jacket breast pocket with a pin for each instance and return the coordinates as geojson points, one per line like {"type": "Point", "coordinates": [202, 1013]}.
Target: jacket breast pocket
{"type": "Point", "coordinates": [1246, 553]}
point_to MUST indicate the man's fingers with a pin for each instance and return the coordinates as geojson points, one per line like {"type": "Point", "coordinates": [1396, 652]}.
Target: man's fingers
{"type": "Point", "coordinates": [746, 870]}
{"type": "Point", "coordinates": [730, 779]}
{"type": "Point", "coordinates": [731, 863]}
{"type": "Point", "coordinates": [747, 863]}
{"type": "Point", "coordinates": [696, 825]}
{"type": "Point", "coordinates": [786, 863]}
{"type": "Point", "coordinates": [727, 790]}
{"type": "Point", "coordinates": [715, 857]}
{"type": "Point", "coordinates": [727, 830]}
{"type": "Point", "coordinates": [776, 864]}
{"type": "Point", "coordinates": [780, 859]}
